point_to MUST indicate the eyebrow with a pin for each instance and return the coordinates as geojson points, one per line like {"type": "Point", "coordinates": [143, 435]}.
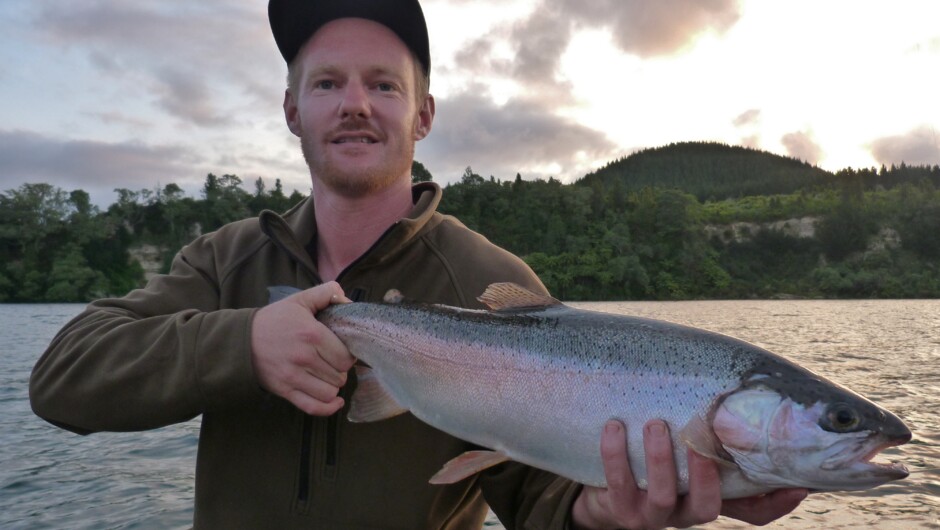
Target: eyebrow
{"type": "Point", "coordinates": [338, 70]}
{"type": "Point", "coordinates": [318, 71]}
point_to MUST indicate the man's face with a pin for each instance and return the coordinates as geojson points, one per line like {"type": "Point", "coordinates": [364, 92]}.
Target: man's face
{"type": "Point", "coordinates": [355, 107]}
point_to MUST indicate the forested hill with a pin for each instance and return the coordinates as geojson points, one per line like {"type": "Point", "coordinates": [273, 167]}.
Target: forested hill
{"type": "Point", "coordinates": [691, 220]}
{"type": "Point", "coordinates": [708, 170]}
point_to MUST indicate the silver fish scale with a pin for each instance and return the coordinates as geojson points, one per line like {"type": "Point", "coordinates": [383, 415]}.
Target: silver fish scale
{"type": "Point", "coordinates": [539, 384]}
{"type": "Point", "coordinates": [573, 340]}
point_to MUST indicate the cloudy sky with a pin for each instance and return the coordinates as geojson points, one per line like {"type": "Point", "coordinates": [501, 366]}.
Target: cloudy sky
{"type": "Point", "coordinates": [99, 94]}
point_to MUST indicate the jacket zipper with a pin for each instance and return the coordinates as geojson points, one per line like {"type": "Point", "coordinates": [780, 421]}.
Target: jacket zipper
{"type": "Point", "coordinates": [306, 438]}
{"type": "Point", "coordinates": [303, 488]}
{"type": "Point", "coordinates": [332, 428]}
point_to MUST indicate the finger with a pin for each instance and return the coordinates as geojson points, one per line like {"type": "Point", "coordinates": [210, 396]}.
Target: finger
{"type": "Point", "coordinates": [323, 385]}
{"type": "Point", "coordinates": [315, 366]}
{"type": "Point", "coordinates": [315, 387]}
{"type": "Point", "coordinates": [764, 509]}
{"type": "Point", "coordinates": [703, 502]}
{"type": "Point", "coordinates": [623, 495]}
{"type": "Point", "coordinates": [327, 344]}
{"type": "Point", "coordinates": [329, 348]}
{"type": "Point", "coordinates": [313, 406]}
{"type": "Point", "coordinates": [307, 364]}
{"type": "Point", "coordinates": [661, 493]}
{"type": "Point", "coordinates": [320, 297]}
{"type": "Point", "coordinates": [617, 470]}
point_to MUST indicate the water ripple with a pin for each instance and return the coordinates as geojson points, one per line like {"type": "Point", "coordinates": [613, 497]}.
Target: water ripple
{"type": "Point", "coordinates": [887, 350]}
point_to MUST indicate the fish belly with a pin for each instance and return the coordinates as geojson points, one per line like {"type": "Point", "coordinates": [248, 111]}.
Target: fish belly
{"type": "Point", "coordinates": [531, 411]}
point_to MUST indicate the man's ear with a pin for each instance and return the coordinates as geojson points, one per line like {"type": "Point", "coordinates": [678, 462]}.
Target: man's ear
{"type": "Point", "coordinates": [291, 114]}
{"type": "Point", "coordinates": [425, 118]}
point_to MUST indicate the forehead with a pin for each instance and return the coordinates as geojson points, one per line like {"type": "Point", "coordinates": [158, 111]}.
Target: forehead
{"type": "Point", "coordinates": [356, 42]}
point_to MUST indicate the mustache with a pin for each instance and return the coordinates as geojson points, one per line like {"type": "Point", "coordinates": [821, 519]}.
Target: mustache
{"type": "Point", "coordinates": [355, 125]}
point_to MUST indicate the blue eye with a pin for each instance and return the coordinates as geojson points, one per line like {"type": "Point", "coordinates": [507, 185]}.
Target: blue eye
{"type": "Point", "coordinates": [385, 87]}
{"type": "Point", "coordinates": [324, 85]}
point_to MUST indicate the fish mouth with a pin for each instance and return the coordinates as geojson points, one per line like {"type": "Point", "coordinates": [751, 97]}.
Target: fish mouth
{"type": "Point", "coordinates": [893, 469]}
{"type": "Point", "coordinates": [859, 460]}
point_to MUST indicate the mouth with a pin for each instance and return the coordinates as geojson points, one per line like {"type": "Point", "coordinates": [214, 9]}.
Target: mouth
{"type": "Point", "coordinates": [860, 459]}
{"type": "Point", "coordinates": [354, 141]}
{"type": "Point", "coordinates": [354, 138]}
{"type": "Point", "coordinates": [887, 468]}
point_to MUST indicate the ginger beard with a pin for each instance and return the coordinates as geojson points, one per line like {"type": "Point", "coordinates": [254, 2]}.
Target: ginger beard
{"type": "Point", "coordinates": [359, 179]}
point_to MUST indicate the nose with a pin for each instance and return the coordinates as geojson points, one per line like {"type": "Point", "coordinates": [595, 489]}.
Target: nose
{"type": "Point", "coordinates": [355, 101]}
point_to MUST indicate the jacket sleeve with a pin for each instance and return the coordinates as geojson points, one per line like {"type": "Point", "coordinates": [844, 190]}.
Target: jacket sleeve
{"type": "Point", "coordinates": [160, 355]}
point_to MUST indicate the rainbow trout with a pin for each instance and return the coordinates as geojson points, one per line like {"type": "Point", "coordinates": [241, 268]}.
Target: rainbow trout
{"type": "Point", "coordinates": [535, 381]}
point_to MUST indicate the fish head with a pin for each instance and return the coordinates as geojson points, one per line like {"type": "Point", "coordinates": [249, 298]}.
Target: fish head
{"type": "Point", "coordinates": [825, 444]}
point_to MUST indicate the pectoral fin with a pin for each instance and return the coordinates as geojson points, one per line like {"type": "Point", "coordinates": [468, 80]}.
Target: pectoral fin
{"type": "Point", "coordinates": [467, 464]}
{"type": "Point", "coordinates": [372, 401]}
{"type": "Point", "coordinates": [700, 438]}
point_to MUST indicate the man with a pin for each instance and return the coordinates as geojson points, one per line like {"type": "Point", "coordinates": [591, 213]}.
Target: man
{"type": "Point", "coordinates": [272, 383]}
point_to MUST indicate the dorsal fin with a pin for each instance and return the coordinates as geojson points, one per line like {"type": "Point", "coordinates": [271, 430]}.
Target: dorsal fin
{"type": "Point", "coordinates": [504, 296]}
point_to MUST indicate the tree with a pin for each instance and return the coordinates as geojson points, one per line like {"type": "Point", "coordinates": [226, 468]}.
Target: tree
{"type": "Point", "coordinates": [225, 201]}
{"type": "Point", "coordinates": [83, 223]}
{"type": "Point", "coordinates": [921, 230]}
{"type": "Point", "coordinates": [846, 230]}
{"type": "Point", "coordinates": [130, 208]}
{"type": "Point", "coordinates": [278, 201]}
{"type": "Point", "coordinates": [32, 213]}
{"type": "Point", "coordinates": [72, 280]}
{"type": "Point", "coordinates": [419, 173]}
{"type": "Point", "coordinates": [470, 178]}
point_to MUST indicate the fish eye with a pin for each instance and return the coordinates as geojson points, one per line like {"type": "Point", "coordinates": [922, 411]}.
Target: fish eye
{"type": "Point", "coordinates": [842, 417]}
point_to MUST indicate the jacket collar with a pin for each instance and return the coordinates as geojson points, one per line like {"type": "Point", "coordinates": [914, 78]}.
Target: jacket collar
{"type": "Point", "coordinates": [426, 197]}
{"type": "Point", "coordinates": [298, 227]}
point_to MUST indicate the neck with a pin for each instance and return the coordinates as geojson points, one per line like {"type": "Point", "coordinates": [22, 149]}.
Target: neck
{"type": "Point", "coordinates": [348, 226]}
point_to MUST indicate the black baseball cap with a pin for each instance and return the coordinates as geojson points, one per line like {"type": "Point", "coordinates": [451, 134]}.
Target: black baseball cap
{"type": "Point", "coordinates": [293, 22]}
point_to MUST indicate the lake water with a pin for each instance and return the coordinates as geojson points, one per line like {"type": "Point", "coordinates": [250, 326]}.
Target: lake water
{"type": "Point", "coordinates": [888, 351]}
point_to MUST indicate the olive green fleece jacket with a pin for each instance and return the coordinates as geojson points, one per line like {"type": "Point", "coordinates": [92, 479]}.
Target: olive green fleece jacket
{"type": "Point", "coordinates": [180, 347]}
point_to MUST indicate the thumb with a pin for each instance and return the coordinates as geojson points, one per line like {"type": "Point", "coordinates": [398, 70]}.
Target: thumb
{"type": "Point", "coordinates": [320, 297]}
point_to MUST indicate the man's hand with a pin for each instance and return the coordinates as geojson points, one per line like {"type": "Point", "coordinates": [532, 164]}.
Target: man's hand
{"type": "Point", "coordinates": [298, 358]}
{"type": "Point", "coordinates": [623, 505]}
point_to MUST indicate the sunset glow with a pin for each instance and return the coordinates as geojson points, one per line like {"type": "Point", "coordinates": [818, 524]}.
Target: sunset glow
{"type": "Point", "coordinates": [98, 95]}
